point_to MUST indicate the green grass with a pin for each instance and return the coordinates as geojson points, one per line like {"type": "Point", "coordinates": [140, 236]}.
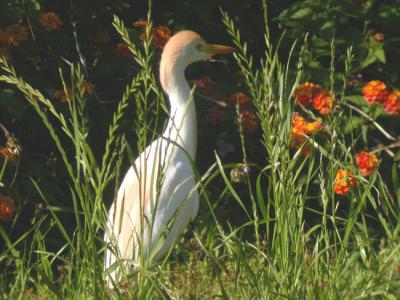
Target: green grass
{"type": "Point", "coordinates": [297, 239]}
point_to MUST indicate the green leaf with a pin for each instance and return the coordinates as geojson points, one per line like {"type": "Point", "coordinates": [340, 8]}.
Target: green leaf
{"type": "Point", "coordinates": [380, 55]}
{"type": "Point", "coordinates": [353, 123]}
{"type": "Point", "coordinates": [302, 13]}
{"type": "Point", "coordinates": [357, 100]}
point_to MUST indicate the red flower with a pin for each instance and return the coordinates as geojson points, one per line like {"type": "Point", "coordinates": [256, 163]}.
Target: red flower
{"type": "Point", "coordinates": [322, 102]}
{"type": "Point", "coordinates": [305, 92]}
{"type": "Point", "coordinates": [249, 121]}
{"type": "Point", "coordinates": [392, 103]}
{"type": "Point", "coordinates": [7, 208]}
{"type": "Point", "coordinates": [343, 182]}
{"type": "Point", "coordinates": [366, 162]}
{"type": "Point", "coordinates": [375, 92]}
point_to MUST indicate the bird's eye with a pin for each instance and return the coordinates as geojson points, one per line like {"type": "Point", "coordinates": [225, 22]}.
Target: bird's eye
{"type": "Point", "coordinates": [199, 46]}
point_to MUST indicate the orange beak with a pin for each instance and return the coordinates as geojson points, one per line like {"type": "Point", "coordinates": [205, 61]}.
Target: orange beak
{"type": "Point", "coordinates": [217, 49]}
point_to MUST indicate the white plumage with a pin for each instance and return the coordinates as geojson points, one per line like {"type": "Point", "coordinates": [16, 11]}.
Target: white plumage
{"type": "Point", "coordinates": [157, 198]}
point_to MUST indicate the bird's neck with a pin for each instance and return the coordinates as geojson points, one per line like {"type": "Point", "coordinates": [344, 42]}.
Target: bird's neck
{"type": "Point", "coordinates": [182, 124]}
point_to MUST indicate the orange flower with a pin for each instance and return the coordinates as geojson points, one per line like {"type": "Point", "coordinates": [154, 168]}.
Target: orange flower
{"type": "Point", "coordinates": [243, 100]}
{"type": "Point", "coordinates": [305, 92]}
{"type": "Point", "coordinates": [62, 96]}
{"type": "Point", "coordinates": [375, 92]}
{"type": "Point", "coordinates": [216, 116]}
{"type": "Point", "coordinates": [343, 182]}
{"type": "Point", "coordinates": [249, 121]}
{"type": "Point", "coordinates": [366, 162]}
{"type": "Point", "coordinates": [50, 21]}
{"type": "Point", "coordinates": [7, 208]}
{"type": "Point", "coordinates": [14, 35]}
{"type": "Point", "coordinates": [392, 103]}
{"type": "Point", "coordinates": [87, 87]}
{"type": "Point", "coordinates": [141, 23]}
{"type": "Point", "coordinates": [161, 35]}
{"type": "Point", "coordinates": [300, 127]}
{"type": "Point", "coordinates": [122, 50]}
{"type": "Point", "coordinates": [322, 102]}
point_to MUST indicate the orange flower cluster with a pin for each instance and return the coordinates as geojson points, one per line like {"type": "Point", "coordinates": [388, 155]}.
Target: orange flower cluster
{"type": "Point", "coordinates": [305, 92]}
{"type": "Point", "coordinates": [160, 34]}
{"type": "Point", "coordinates": [7, 208]}
{"type": "Point", "coordinates": [366, 163]}
{"type": "Point", "coordinates": [301, 127]}
{"type": "Point", "coordinates": [322, 102]}
{"type": "Point", "coordinates": [392, 103]}
{"type": "Point", "coordinates": [50, 21]}
{"type": "Point", "coordinates": [122, 50]}
{"type": "Point", "coordinates": [249, 121]}
{"type": "Point", "coordinates": [343, 182]}
{"type": "Point", "coordinates": [375, 92]}
{"type": "Point", "coordinates": [240, 98]}
{"type": "Point", "coordinates": [14, 35]}
{"type": "Point", "coordinates": [310, 93]}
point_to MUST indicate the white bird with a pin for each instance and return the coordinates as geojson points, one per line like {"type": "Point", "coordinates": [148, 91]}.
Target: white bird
{"type": "Point", "coordinates": [157, 198]}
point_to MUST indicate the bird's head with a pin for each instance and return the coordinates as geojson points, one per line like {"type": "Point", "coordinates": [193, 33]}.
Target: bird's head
{"type": "Point", "coordinates": [183, 49]}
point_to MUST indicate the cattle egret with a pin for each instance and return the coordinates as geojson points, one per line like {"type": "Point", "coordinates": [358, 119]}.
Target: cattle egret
{"type": "Point", "coordinates": [157, 197]}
